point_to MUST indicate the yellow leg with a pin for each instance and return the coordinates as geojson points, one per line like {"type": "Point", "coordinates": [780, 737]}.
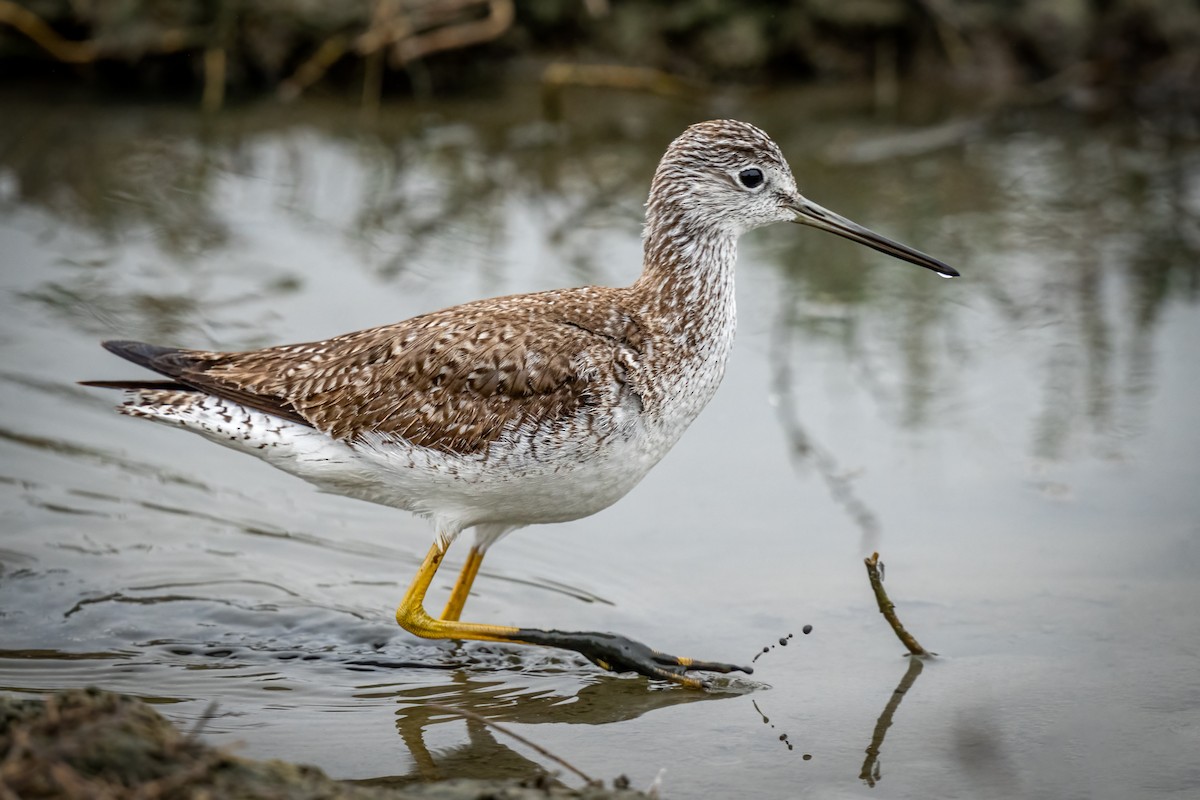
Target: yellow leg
{"type": "Point", "coordinates": [462, 587]}
{"type": "Point", "coordinates": [607, 650]}
{"type": "Point", "coordinates": [413, 618]}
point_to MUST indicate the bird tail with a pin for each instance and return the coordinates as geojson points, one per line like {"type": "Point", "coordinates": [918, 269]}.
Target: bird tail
{"type": "Point", "coordinates": [172, 385]}
{"type": "Point", "coordinates": [169, 361]}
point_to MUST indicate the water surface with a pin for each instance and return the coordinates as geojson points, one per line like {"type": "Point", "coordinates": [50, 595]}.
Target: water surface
{"type": "Point", "coordinates": [1021, 445]}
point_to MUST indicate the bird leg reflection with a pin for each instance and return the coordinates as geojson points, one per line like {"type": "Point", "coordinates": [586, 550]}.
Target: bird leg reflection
{"type": "Point", "coordinates": [608, 651]}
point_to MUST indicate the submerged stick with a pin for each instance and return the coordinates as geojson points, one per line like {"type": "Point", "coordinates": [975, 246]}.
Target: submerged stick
{"type": "Point", "coordinates": [888, 608]}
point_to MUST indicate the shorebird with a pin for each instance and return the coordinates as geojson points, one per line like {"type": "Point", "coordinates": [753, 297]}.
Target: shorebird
{"type": "Point", "coordinates": [518, 410]}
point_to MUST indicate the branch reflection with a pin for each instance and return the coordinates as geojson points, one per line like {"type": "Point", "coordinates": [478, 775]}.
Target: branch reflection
{"type": "Point", "coordinates": [801, 447]}
{"type": "Point", "coordinates": [871, 772]}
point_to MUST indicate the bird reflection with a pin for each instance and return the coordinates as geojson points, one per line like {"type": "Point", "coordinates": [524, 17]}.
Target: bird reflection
{"type": "Point", "coordinates": [485, 754]}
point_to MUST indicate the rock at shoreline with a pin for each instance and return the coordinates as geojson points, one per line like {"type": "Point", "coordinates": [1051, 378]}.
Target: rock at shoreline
{"type": "Point", "coordinates": [91, 744]}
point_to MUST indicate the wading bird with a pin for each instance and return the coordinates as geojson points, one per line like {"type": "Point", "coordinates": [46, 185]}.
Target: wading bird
{"type": "Point", "coordinates": [518, 410]}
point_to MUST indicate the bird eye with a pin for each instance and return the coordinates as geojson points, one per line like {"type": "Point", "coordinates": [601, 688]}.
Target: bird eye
{"type": "Point", "coordinates": [751, 178]}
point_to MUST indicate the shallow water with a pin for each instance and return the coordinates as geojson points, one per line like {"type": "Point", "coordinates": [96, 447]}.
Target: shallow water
{"type": "Point", "coordinates": [1021, 445]}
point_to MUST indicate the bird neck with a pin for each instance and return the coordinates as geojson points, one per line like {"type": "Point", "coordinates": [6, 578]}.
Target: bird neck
{"type": "Point", "coordinates": [686, 286]}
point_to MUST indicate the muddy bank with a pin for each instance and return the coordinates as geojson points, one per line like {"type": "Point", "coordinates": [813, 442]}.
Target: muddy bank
{"type": "Point", "coordinates": [1095, 56]}
{"type": "Point", "coordinates": [90, 744]}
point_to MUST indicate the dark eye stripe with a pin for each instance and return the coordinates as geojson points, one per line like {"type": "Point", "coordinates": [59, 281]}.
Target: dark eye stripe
{"type": "Point", "coordinates": [751, 178]}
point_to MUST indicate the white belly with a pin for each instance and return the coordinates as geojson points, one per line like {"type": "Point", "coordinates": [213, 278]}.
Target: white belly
{"type": "Point", "coordinates": [527, 478]}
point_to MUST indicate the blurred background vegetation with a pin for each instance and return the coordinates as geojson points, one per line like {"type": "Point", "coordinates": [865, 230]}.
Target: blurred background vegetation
{"type": "Point", "coordinates": [1099, 56]}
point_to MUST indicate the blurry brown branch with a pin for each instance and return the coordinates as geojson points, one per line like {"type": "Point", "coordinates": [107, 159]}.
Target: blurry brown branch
{"type": "Point", "coordinates": [442, 36]}
{"type": "Point", "coordinates": [949, 31]}
{"type": "Point", "coordinates": [85, 52]}
{"type": "Point", "coordinates": [888, 609]}
{"type": "Point", "coordinates": [44, 36]}
{"type": "Point", "coordinates": [412, 30]}
{"type": "Point", "coordinates": [216, 55]}
{"type": "Point", "coordinates": [315, 66]}
{"type": "Point", "coordinates": [613, 76]}
{"type": "Point", "coordinates": [214, 78]}
{"type": "Point", "coordinates": [558, 76]}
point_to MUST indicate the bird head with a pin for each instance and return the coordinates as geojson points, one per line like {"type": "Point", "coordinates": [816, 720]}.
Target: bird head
{"type": "Point", "coordinates": [729, 176]}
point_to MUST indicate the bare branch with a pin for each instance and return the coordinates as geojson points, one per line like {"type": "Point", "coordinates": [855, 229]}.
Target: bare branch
{"type": "Point", "coordinates": [888, 608]}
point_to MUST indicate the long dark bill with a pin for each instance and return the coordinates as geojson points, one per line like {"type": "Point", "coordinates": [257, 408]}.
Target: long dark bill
{"type": "Point", "coordinates": [809, 213]}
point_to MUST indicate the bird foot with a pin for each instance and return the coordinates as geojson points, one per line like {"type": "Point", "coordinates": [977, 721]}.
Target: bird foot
{"type": "Point", "coordinates": [618, 653]}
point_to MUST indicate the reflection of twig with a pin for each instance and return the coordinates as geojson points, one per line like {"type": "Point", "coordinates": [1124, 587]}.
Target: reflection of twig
{"type": "Point", "coordinates": [540, 750]}
{"type": "Point", "coordinates": [840, 486]}
{"type": "Point", "coordinates": [870, 769]}
{"type": "Point", "coordinates": [888, 608]}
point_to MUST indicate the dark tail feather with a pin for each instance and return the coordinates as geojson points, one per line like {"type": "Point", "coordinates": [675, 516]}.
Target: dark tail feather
{"type": "Point", "coordinates": [169, 361]}
{"type": "Point", "coordinates": [169, 385]}
{"type": "Point", "coordinates": [187, 373]}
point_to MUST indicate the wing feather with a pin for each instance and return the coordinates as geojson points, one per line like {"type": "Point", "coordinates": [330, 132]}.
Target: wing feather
{"type": "Point", "coordinates": [453, 381]}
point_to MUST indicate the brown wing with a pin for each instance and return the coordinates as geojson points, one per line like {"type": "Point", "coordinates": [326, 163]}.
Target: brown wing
{"type": "Point", "coordinates": [451, 381]}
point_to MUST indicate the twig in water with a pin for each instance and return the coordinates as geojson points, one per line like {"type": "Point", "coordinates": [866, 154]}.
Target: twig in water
{"type": "Point", "coordinates": [462, 712]}
{"type": "Point", "coordinates": [888, 608]}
